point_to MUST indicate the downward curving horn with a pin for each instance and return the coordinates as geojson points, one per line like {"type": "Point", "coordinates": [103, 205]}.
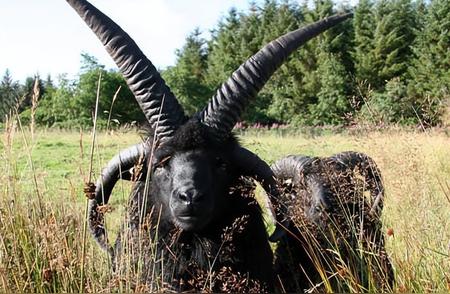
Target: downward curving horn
{"type": "Point", "coordinates": [292, 167]}
{"type": "Point", "coordinates": [253, 166]}
{"type": "Point", "coordinates": [119, 167]}
{"type": "Point", "coordinates": [159, 105]}
{"type": "Point", "coordinates": [227, 105]}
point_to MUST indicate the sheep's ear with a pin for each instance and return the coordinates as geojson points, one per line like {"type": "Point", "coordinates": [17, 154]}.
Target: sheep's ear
{"type": "Point", "coordinates": [230, 100]}
{"type": "Point", "coordinates": [158, 103]}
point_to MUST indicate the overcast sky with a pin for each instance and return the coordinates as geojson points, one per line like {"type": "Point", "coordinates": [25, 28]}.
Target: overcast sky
{"type": "Point", "coordinates": [47, 36]}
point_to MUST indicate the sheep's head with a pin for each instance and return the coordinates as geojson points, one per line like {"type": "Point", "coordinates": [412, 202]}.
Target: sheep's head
{"type": "Point", "coordinates": [165, 115]}
{"type": "Point", "coordinates": [329, 189]}
{"type": "Point", "coordinates": [192, 174]}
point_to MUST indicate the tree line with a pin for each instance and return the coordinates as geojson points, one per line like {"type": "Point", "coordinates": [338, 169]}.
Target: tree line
{"type": "Point", "coordinates": [390, 64]}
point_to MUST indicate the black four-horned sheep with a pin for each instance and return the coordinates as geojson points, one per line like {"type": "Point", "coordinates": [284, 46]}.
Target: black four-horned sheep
{"type": "Point", "coordinates": [335, 231]}
{"type": "Point", "coordinates": [192, 221]}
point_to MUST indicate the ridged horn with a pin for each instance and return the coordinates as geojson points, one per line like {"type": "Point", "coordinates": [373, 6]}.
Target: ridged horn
{"type": "Point", "coordinates": [119, 167]}
{"type": "Point", "coordinates": [292, 167]}
{"type": "Point", "coordinates": [292, 170]}
{"type": "Point", "coordinates": [158, 103]}
{"type": "Point", "coordinates": [226, 106]}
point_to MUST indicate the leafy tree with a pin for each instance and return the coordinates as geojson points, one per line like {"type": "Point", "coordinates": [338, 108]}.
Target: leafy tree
{"type": "Point", "coordinates": [27, 90]}
{"type": "Point", "coordinates": [394, 54]}
{"type": "Point", "coordinates": [125, 108]}
{"type": "Point", "coordinates": [72, 103]}
{"type": "Point", "coordinates": [58, 106]}
{"type": "Point", "coordinates": [389, 106]}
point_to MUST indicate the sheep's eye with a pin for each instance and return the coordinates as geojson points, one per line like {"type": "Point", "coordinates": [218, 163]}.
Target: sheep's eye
{"type": "Point", "coordinates": [163, 162]}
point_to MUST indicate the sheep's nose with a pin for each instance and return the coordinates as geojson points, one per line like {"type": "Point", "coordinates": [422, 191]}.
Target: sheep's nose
{"type": "Point", "coordinates": [190, 196]}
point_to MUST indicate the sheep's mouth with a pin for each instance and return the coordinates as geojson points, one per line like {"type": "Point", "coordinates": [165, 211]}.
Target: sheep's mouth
{"type": "Point", "coordinates": [187, 218]}
{"type": "Point", "coordinates": [191, 222]}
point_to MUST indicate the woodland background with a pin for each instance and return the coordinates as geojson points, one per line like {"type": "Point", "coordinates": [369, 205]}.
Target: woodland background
{"type": "Point", "coordinates": [389, 65]}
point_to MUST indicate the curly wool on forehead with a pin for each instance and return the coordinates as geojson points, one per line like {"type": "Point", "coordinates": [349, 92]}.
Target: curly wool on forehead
{"type": "Point", "coordinates": [194, 135]}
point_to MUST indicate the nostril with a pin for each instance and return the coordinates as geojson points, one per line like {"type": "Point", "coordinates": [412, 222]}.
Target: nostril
{"type": "Point", "coordinates": [186, 197]}
{"type": "Point", "coordinates": [183, 196]}
{"type": "Point", "coordinates": [190, 196]}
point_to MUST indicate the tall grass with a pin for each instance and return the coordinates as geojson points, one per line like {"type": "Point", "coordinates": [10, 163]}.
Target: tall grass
{"type": "Point", "coordinates": [416, 169]}
{"type": "Point", "coordinates": [34, 103]}
{"type": "Point", "coordinates": [41, 248]}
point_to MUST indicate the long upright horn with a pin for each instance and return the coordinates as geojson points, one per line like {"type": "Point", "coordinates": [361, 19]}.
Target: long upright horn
{"type": "Point", "coordinates": [158, 103]}
{"type": "Point", "coordinates": [230, 100]}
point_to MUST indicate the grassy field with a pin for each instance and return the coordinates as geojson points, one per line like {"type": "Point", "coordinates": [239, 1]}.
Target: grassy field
{"type": "Point", "coordinates": [42, 205]}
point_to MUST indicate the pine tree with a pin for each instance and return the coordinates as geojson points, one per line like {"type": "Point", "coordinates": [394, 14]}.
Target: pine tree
{"type": "Point", "coordinates": [393, 38]}
{"type": "Point", "coordinates": [224, 50]}
{"type": "Point", "coordinates": [364, 24]}
{"type": "Point", "coordinates": [332, 103]}
{"type": "Point", "coordinates": [287, 88]}
{"type": "Point", "coordinates": [187, 77]}
{"type": "Point", "coordinates": [9, 94]}
{"type": "Point", "coordinates": [430, 71]}
{"type": "Point", "coordinates": [328, 87]}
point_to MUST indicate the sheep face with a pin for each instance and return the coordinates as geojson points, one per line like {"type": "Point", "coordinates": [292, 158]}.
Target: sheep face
{"type": "Point", "coordinates": [319, 201]}
{"type": "Point", "coordinates": [192, 176]}
{"type": "Point", "coordinates": [193, 186]}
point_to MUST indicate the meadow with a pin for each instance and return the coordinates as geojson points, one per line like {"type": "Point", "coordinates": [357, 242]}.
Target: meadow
{"type": "Point", "coordinates": [44, 246]}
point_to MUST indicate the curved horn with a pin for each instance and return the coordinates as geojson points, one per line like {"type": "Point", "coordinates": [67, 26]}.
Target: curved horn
{"type": "Point", "coordinates": [253, 166]}
{"type": "Point", "coordinates": [159, 105]}
{"type": "Point", "coordinates": [369, 169]}
{"type": "Point", "coordinates": [118, 168]}
{"type": "Point", "coordinates": [292, 167]}
{"type": "Point", "coordinates": [230, 100]}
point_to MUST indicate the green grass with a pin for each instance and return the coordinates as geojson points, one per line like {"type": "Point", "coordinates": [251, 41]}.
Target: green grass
{"type": "Point", "coordinates": [41, 237]}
